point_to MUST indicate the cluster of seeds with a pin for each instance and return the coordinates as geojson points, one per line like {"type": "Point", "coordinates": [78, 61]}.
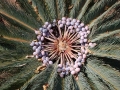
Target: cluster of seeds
{"type": "Point", "coordinates": [64, 40]}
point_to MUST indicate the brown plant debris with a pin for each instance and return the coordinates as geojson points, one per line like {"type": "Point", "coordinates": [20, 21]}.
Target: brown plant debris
{"type": "Point", "coordinates": [70, 7]}
{"type": "Point", "coordinates": [76, 77]}
{"type": "Point", "coordinates": [39, 69]}
{"type": "Point", "coordinates": [45, 86]}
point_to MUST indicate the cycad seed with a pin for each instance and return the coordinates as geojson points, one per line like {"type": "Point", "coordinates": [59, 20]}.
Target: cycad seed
{"type": "Point", "coordinates": [64, 41]}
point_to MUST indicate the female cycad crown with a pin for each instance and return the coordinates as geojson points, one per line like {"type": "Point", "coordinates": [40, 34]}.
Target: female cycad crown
{"type": "Point", "coordinates": [64, 40]}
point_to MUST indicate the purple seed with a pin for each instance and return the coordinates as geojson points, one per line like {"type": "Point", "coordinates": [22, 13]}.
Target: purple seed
{"type": "Point", "coordinates": [46, 23]}
{"type": "Point", "coordinates": [61, 25]}
{"type": "Point", "coordinates": [63, 22]}
{"type": "Point", "coordinates": [72, 72]}
{"type": "Point", "coordinates": [63, 18]}
{"type": "Point", "coordinates": [82, 24]}
{"type": "Point", "coordinates": [83, 60]}
{"type": "Point", "coordinates": [50, 62]}
{"type": "Point", "coordinates": [77, 23]}
{"type": "Point", "coordinates": [70, 27]}
{"type": "Point", "coordinates": [72, 23]}
{"type": "Point", "coordinates": [66, 73]}
{"type": "Point", "coordinates": [77, 29]}
{"type": "Point", "coordinates": [39, 37]}
{"type": "Point", "coordinates": [51, 30]}
{"type": "Point", "coordinates": [34, 47]}
{"type": "Point", "coordinates": [78, 60]}
{"type": "Point", "coordinates": [42, 38]}
{"type": "Point", "coordinates": [74, 20]}
{"type": "Point", "coordinates": [49, 26]}
{"type": "Point", "coordinates": [40, 55]}
{"type": "Point", "coordinates": [60, 65]}
{"type": "Point", "coordinates": [75, 26]}
{"type": "Point", "coordinates": [79, 64]}
{"type": "Point", "coordinates": [40, 29]}
{"type": "Point", "coordinates": [86, 27]}
{"type": "Point", "coordinates": [85, 35]}
{"type": "Point", "coordinates": [76, 66]}
{"type": "Point", "coordinates": [59, 21]}
{"type": "Point", "coordinates": [79, 53]}
{"type": "Point", "coordinates": [88, 32]}
{"type": "Point", "coordinates": [86, 51]}
{"type": "Point", "coordinates": [32, 43]}
{"type": "Point", "coordinates": [71, 31]}
{"type": "Point", "coordinates": [85, 40]}
{"type": "Point", "coordinates": [84, 55]}
{"type": "Point", "coordinates": [83, 29]}
{"type": "Point", "coordinates": [34, 53]}
{"type": "Point", "coordinates": [71, 68]}
{"type": "Point", "coordinates": [82, 37]}
{"type": "Point", "coordinates": [36, 43]}
{"type": "Point", "coordinates": [80, 57]}
{"type": "Point", "coordinates": [92, 45]}
{"type": "Point", "coordinates": [59, 70]}
{"type": "Point", "coordinates": [43, 58]}
{"type": "Point", "coordinates": [86, 45]}
{"type": "Point", "coordinates": [37, 50]}
{"type": "Point", "coordinates": [36, 56]}
{"type": "Point", "coordinates": [81, 33]}
{"type": "Point", "coordinates": [44, 26]}
{"type": "Point", "coordinates": [77, 70]}
{"type": "Point", "coordinates": [67, 69]}
{"type": "Point", "coordinates": [40, 42]}
{"type": "Point", "coordinates": [45, 62]}
{"type": "Point", "coordinates": [68, 20]}
{"type": "Point", "coordinates": [81, 41]}
{"type": "Point", "coordinates": [63, 68]}
{"type": "Point", "coordinates": [44, 30]}
{"type": "Point", "coordinates": [43, 52]}
{"type": "Point", "coordinates": [44, 34]}
{"type": "Point", "coordinates": [68, 23]}
{"type": "Point", "coordinates": [79, 26]}
{"type": "Point", "coordinates": [61, 75]}
{"type": "Point", "coordinates": [82, 48]}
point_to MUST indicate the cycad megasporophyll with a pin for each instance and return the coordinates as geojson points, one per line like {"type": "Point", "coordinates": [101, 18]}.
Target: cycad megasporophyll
{"type": "Point", "coordinates": [19, 19]}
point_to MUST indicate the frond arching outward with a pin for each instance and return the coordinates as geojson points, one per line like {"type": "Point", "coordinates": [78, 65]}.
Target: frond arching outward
{"type": "Point", "coordinates": [54, 81]}
{"type": "Point", "coordinates": [38, 80]}
{"type": "Point", "coordinates": [104, 75]}
{"type": "Point", "coordinates": [42, 9]}
{"type": "Point", "coordinates": [99, 7]}
{"type": "Point", "coordinates": [12, 51]}
{"type": "Point", "coordinates": [72, 83]}
{"type": "Point", "coordinates": [77, 6]}
{"type": "Point", "coordinates": [108, 47]}
{"type": "Point", "coordinates": [26, 6]}
{"type": "Point", "coordinates": [9, 28]}
{"type": "Point", "coordinates": [83, 82]}
{"type": "Point", "coordinates": [105, 15]}
{"type": "Point", "coordinates": [18, 15]}
{"type": "Point", "coordinates": [19, 73]}
{"type": "Point", "coordinates": [51, 4]}
{"type": "Point", "coordinates": [106, 28]}
{"type": "Point", "coordinates": [84, 9]}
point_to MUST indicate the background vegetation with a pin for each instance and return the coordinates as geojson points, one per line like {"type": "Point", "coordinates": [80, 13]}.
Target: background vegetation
{"type": "Point", "coordinates": [19, 19]}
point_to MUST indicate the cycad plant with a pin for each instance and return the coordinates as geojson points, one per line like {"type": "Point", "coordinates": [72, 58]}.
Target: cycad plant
{"type": "Point", "coordinates": [21, 69]}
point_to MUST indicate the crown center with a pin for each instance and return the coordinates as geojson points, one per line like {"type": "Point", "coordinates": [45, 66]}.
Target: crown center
{"type": "Point", "coordinates": [62, 45]}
